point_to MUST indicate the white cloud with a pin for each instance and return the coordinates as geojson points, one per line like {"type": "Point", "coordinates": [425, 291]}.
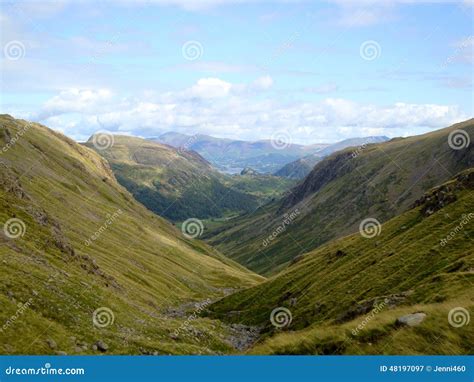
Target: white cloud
{"type": "Point", "coordinates": [210, 88]}
{"type": "Point", "coordinates": [76, 101]}
{"type": "Point", "coordinates": [263, 83]}
{"type": "Point", "coordinates": [216, 107]}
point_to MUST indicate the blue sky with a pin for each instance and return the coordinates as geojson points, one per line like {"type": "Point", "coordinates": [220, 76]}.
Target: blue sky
{"type": "Point", "coordinates": [318, 71]}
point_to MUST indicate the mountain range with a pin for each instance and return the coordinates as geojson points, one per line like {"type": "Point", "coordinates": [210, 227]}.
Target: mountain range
{"type": "Point", "coordinates": [265, 156]}
{"type": "Point", "coordinates": [179, 184]}
{"type": "Point", "coordinates": [87, 269]}
{"type": "Point", "coordinates": [377, 181]}
{"type": "Point", "coordinates": [370, 253]}
{"type": "Point", "coordinates": [303, 166]}
{"type": "Point", "coordinates": [405, 288]}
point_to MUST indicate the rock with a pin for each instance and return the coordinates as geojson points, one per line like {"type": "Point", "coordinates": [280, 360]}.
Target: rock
{"type": "Point", "coordinates": [173, 336]}
{"type": "Point", "coordinates": [411, 319]}
{"type": "Point", "coordinates": [59, 352]}
{"type": "Point", "coordinates": [248, 171]}
{"type": "Point", "coordinates": [101, 346]}
{"type": "Point", "coordinates": [51, 343]}
{"type": "Point", "coordinates": [94, 347]}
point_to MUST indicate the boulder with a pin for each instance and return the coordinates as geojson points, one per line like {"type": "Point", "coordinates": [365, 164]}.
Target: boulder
{"type": "Point", "coordinates": [411, 319]}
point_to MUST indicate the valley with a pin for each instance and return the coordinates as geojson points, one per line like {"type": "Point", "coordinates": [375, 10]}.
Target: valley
{"type": "Point", "coordinates": [95, 262]}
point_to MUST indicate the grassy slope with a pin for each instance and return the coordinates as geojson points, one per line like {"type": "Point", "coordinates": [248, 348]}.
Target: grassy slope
{"type": "Point", "coordinates": [138, 266]}
{"type": "Point", "coordinates": [175, 184]}
{"type": "Point", "coordinates": [331, 290]}
{"type": "Point", "coordinates": [381, 181]}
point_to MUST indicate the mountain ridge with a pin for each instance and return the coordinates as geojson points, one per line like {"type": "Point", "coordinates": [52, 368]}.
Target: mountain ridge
{"type": "Point", "coordinates": [95, 269]}
{"type": "Point", "coordinates": [379, 181]}
{"type": "Point", "coordinates": [353, 295]}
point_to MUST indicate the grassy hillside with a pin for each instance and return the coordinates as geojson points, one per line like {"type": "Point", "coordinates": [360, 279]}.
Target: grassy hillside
{"type": "Point", "coordinates": [79, 243]}
{"type": "Point", "coordinates": [300, 168]}
{"type": "Point", "coordinates": [378, 181]}
{"type": "Point", "coordinates": [346, 296]}
{"type": "Point", "coordinates": [176, 184]}
{"type": "Point", "coordinates": [264, 187]}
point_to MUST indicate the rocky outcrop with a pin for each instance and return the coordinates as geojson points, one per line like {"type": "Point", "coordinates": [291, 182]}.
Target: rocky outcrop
{"type": "Point", "coordinates": [441, 196]}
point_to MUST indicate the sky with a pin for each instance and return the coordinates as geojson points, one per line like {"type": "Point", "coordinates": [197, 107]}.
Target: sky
{"type": "Point", "coordinates": [317, 71]}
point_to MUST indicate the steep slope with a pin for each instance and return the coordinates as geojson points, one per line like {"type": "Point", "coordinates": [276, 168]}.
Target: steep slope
{"type": "Point", "coordinates": [83, 262]}
{"type": "Point", "coordinates": [346, 296]}
{"type": "Point", "coordinates": [358, 142]}
{"type": "Point", "coordinates": [300, 168]}
{"type": "Point", "coordinates": [176, 184]}
{"type": "Point", "coordinates": [378, 182]}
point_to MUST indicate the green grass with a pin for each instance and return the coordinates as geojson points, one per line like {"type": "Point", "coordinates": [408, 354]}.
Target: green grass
{"type": "Point", "coordinates": [330, 290]}
{"type": "Point", "coordinates": [381, 181]}
{"type": "Point", "coordinates": [265, 187]}
{"type": "Point", "coordinates": [174, 184]}
{"type": "Point", "coordinates": [138, 266]}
